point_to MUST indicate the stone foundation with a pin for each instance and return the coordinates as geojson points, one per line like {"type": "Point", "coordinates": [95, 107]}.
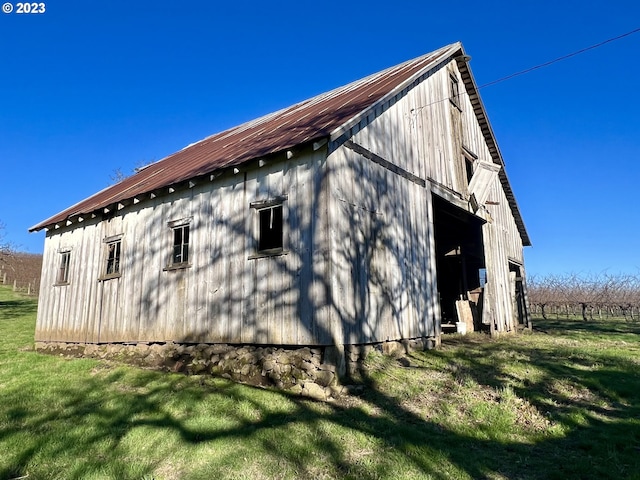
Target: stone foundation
{"type": "Point", "coordinates": [309, 371]}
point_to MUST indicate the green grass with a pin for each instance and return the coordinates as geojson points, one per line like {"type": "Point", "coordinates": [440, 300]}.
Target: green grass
{"type": "Point", "coordinates": [561, 402]}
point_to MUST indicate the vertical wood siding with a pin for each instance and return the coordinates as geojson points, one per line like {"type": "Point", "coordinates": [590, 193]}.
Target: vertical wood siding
{"type": "Point", "coordinates": [423, 133]}
{"type": "Point", "coordinates": [359, 253]}
{"type": "Point", "coordinates": [225, 296]}
{"type": "Point", "coordinates": [380, 250]}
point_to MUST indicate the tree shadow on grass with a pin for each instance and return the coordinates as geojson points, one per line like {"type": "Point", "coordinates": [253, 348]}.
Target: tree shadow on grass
{"type": "Point", "coordinates": [13, 309]}
{"type": "Point", "coordinates": [592, 395]}
{"type": "Point", "coordinates": [576, 327]}
{"type": "Point", "coordinates": [92, 424]}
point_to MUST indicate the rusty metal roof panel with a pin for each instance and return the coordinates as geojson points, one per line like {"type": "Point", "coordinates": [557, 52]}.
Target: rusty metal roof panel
{"type": "Point", "coordinates": [303, 122]}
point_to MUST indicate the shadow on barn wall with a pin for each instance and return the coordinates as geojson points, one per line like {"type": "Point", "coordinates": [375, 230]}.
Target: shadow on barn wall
{"type": "Point", "coordinates": [354, 255]}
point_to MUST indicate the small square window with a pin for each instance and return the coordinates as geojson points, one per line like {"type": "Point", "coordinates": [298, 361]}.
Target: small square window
{"type": "Point", "coordinates": [270, 218]}
{"type": "Point", "coordinates": [270, 235]}
{"type": "Point", "coordinates": [113, 257]}
{"type": "Point", "coordinates": [180, 252]}
{"type": "Point", "coordinates": [63, 269]}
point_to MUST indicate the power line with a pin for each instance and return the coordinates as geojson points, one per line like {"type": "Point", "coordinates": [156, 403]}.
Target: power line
{"type": "Point", "coordinates": [564, 57]}
{"type": "Point", "coordinates": [522, 72]}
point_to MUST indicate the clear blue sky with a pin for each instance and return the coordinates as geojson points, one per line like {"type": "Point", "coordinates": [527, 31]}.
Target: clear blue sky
{"type": "Point", "coordinates": [90, 87]}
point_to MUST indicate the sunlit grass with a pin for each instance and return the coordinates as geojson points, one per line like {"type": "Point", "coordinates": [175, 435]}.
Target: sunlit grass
{"type": "Point", "coordinates": [561, 402]}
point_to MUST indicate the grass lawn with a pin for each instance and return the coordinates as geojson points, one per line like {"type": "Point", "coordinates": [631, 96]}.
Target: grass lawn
{"type": "Point", "coordinates": [561, 402]}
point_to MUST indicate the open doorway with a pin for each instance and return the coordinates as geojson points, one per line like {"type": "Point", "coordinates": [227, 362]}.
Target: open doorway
{"type": "Point", "coordinates": [518, 298]}
{"type": "Point", "coordinates": [459, 266]}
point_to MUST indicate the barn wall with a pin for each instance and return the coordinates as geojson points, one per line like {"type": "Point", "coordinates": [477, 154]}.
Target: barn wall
{"type": "Point", "coordinates": [382, 280]}
{"type": "Point", "coordinates": [413, 131]}
{"type": "Point", "coordinates": [383, 220]}
{"type": "Point", "coordinates": [225, 296]}
{"type": "Point", "coordinates": [63, 313]}
{"type": "Point", "coordinates": [502, 240]}
{"type": "Point", "coordinates": [501, 247]}
{"type": "Point", "coordinates": [383, 252]}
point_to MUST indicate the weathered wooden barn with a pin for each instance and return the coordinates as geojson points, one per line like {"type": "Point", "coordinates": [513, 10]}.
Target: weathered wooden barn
{"type": "Point", "coordinates": [379, 211]}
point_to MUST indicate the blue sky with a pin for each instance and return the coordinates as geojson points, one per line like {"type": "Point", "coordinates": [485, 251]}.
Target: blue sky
{"type": "Point", "coordinates": [91, 87]}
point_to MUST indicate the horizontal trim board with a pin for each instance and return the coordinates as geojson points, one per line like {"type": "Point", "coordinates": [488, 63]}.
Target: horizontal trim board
{"type": "Point", "coordinates": [369, 155]}
{"type": "Point", "coordinates": [271, 202]}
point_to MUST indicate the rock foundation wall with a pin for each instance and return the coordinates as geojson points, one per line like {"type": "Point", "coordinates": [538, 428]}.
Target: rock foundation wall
{"type": "Point", "coordinates": [310, 371]}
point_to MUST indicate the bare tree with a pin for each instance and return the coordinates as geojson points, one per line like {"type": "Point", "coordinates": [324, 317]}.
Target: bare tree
{"type": "Point", "coordinates": [6, 248]}
{"type": "Point", "coordinates": [118, 175]}
{"type": "Point", "coordinates": [7, 251]}
{"type": "Point", "coordinates": [614, 294]}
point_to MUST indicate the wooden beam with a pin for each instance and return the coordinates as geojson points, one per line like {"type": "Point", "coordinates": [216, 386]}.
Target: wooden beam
{"type": "Point", "coordinates": [320, 143]}
{"type": "Point", "coordinates": [468, 153]}
{"type": "Point", "coordinates": [359, 149]}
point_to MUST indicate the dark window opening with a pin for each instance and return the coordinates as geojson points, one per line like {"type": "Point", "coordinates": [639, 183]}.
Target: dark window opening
{"type": "Point", "coordinates": [63, 270]}
{"type": "Point", "coordinates": [270, 235]}
{"type": "Point", "coordinates": [113, 258]}
{"type": "Point", "coordinates": [469, 169]}
{"type": "Point", "coordinates": [454, 91]}
{"type": "Point", "coordinates": [180, 245]}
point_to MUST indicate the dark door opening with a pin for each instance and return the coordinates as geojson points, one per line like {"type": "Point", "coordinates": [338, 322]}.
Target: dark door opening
{"type": "Point", "coordinates": [518, 296]}
{"type": "Point", "coordinates": [459, 266]}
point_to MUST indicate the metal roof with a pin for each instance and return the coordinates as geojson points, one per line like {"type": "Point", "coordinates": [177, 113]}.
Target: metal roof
{"type": "Point", "coordinates": [316, 118]}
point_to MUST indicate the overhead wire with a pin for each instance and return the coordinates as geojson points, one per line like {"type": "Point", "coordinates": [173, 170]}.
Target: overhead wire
{"type": "Point", "coordinates": [559, 59]}
{"type": "Point", "coordinates": [541, 65]}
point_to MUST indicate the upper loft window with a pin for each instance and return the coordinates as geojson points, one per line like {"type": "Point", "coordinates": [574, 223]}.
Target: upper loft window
{"type": "Point", "coordinates": [270, 234]}
{"type": "Point", "coordinates": [454, 90]}
{"type": "Point", "coordinates": [469, 158]}
{"type": "Point", "coordinates": [63, 269]}
{"type": "Point", "coordinates": [468, 165]}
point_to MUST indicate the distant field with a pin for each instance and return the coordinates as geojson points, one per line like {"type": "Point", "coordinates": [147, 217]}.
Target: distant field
{"type": "Point", "coordinates": [562, 402]}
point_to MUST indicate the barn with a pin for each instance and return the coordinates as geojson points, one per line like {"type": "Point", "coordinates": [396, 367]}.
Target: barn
{"type": "Point", "coordinates": [377, 213]}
